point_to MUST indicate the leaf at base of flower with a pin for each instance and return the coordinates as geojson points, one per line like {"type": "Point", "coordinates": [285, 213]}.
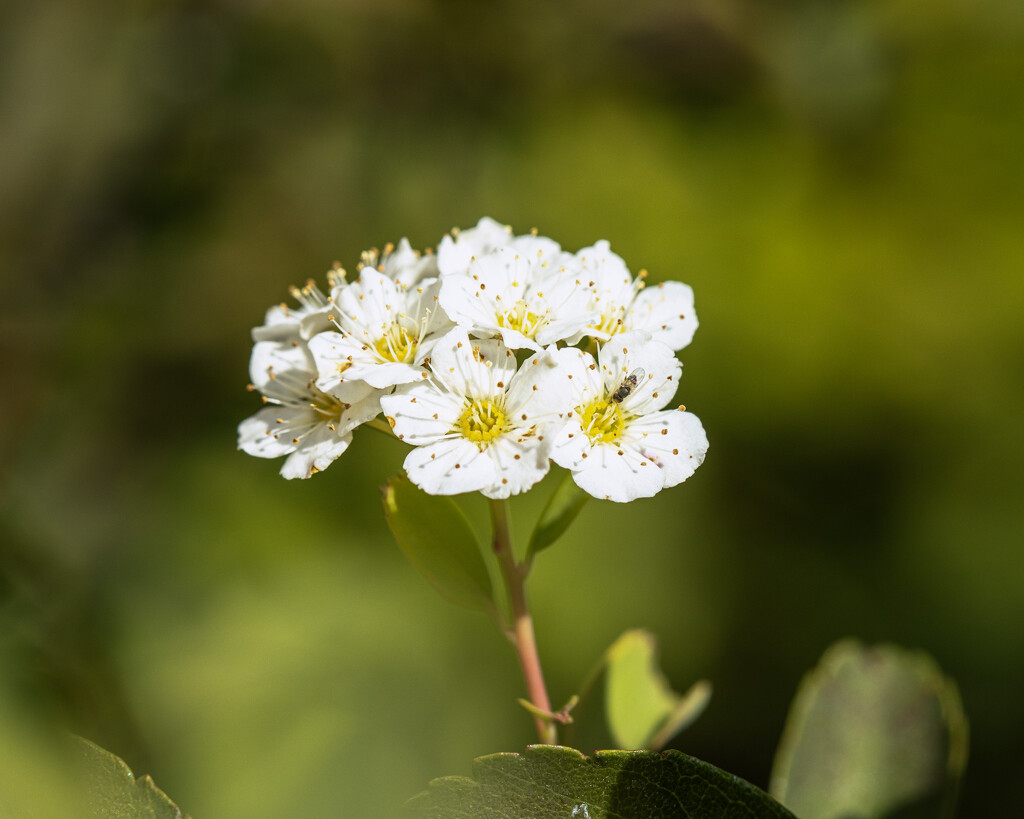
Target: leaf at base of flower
{"type": "Point", "coordinates": [436, 537]}
{"type": "Point", "coordinates": [560, 511]}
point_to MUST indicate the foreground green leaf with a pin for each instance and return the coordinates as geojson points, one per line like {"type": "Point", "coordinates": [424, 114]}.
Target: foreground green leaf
{"type": "Point", "coordinates": [873, 732]}
{"type": "Point", "coordinates": [559, 512]}
{"type": "Point", "coordinates": [643, 711]}
{"type": "Point", "coordinates": [436, 537]}
{"type": "Point", "coordinates": [547, 781]}
{"type": "Point", "coordinates": [114, 792]}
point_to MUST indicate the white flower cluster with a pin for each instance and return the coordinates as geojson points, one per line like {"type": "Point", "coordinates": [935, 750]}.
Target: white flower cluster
{"type": "Point", "coordinates": [493, 357]}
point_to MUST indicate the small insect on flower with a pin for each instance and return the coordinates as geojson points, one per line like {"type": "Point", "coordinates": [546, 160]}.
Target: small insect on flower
{"type": "Point", "coordinates": [628, 385]}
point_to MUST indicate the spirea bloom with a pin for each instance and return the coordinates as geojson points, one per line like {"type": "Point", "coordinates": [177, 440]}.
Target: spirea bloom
{"type": "Point", "coordinates": [432, 341]}
{"type": "Point", "coordinates": [308, 426]}
{"type": "Point", "coordinates": [479, 423]}
{"type": "Point", "coordinates": [523, 295]}
{"type": "Point", "coordinates": [460, 247]}
{"type": "Point", "coordinates": [618, 440]}
{"type": "Point", "coordinates": [624, 303]}
{"type": "Point", "coordinates": [285, 323]}
{"type": "Point", "coordinates": [401, 264]}
{"type": "Point", "coordinates": [384, 332]}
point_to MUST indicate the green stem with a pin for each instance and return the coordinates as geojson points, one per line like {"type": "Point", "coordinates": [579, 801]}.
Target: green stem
{"type": "Point", "coordinates": [522, 623]}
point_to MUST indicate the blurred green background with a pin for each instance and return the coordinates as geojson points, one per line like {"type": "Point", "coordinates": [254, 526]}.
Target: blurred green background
{"type": "Point", "coordinates": [842, 183]}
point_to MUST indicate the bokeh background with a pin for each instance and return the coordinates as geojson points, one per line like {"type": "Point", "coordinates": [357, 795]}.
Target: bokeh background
{"type": "Point", "coordinates": [842, 183]}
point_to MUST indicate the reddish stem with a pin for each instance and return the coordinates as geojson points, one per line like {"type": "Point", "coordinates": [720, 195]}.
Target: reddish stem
{"type": "Point", "coordinates": [522, 623]}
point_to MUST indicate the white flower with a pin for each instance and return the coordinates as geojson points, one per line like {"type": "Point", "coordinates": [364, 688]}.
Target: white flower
{"type": "Point", "coordinates": [664, 310]}
{"type": "Point", "coordinates": [478, 421]}
{"type": "Point", "coordinates": [479, 424]}
{"type": "Point", "coordinates": [460, 247]}
{"type": "Point", "coordinates": [401, 264]}
{"type": "Point", "coordinates": [618, 441]}
{"type": "Point", "coordinates": [284, 323]}
{"type": "Point", "coordinates": [386, 333]}
{"type": "Point", "coordinates": [308, 426]}
{"type": "Point", "coordinates": [522, 294]}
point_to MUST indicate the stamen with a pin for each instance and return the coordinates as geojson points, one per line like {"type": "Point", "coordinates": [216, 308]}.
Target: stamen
{"type": "Point", "coordinates": [482, 421]}
{"type": "Point", "coordinates": [309, 296]}
{"type": "Point", "coordinates": [602, 421]}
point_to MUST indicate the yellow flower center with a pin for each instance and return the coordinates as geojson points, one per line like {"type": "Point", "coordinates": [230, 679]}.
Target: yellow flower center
{"type": "Point", "coordinates": [521, 319]}
{"type": "Point", "coordinates": [482, 421]}
{"type": "Point", "coordinates": [610, 324]}
{"type": "Point", "coordinates": [327, 406]}
{"type": "Point", "coordinates": [602, 420]}
{"type": "Point", "coordinates": [397, 344]}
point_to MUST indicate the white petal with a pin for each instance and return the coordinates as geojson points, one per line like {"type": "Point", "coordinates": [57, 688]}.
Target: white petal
{"type": "Point", "coordinates": [426, 347]}
{"type": "Point", "coordinates": [571, 446]}
{"type": "Point", "coordinates": [388, 374]}
{"type": "Point", "coordinates": [348, 363]}
{"type": "Point", "coordinates": [673, 441]}
{"type": "Point", "coordinates": [422, 302]}
{"type": "Point", "coordinates": [318, 451]}
{"type": "Point", "coordinates": [257, 434]}
{"type": "Point", "coordinates": [331, 351]}
{"type": "Point", "coordinates": [512, 339]}
{"type": "Point", "coordinates": [271, 357]}
{"type": "Point", "coordinates": [518, 466]}
{"type": "Point", "coordinates": [367, 304]}
{"type": "Point", "coordinates": [666, 311]}
{"type": "Point", "coordinates": [626, 352]}
{"type": "Point", "coordinates": [607, 276]}
{"type": "Point", "coordinates": [451, 467]}
{"type": "Point", "coordinates": [336, 357]}
{"type": "Point", "coordinates": [407, 267]}
{"type": "Point", "coordinates": [568, 304]}
{"type": "Point", "coordinates": [314, 323]}
{"type": "Point", "coordinates": [280, 324]}
{"type": "Point", "coordinates": [421, 413]}
{"type": "Point", "coordinates": [467, 373]}
{"type": "Point", "coordinates": [546, 385]}
{"type": "Point", "coordinates": [359, 412]}
{"type": "Point", "coordinates": [460, 299]}
{"type": "Point", "coordinates": [283, 323]}
{"type": "Point", "coordinates": [570, 330]}
{"type": "Point", "coordinates": [619, 474]}
{"type": "Point", "coordinates": [455, 251]}
{"type": "Point", "coordinates": [539, 247]}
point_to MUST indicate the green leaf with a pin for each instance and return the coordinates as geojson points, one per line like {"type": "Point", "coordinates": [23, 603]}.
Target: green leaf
{"type": "Point", "coordinates": [547, 781]}
{"type": "Point", "coordinates": [561, 510]}
{"type": "Point", "coordinates": [115, 793]}
{"type": "Point", "coordinates": [872, 732]}
{"type": "Point", "coordinates": [642, 709]}
{"type": "Point", "coordinates": [436, 537]}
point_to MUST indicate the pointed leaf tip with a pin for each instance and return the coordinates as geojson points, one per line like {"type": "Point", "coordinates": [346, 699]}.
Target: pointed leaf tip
{"type": "Point", "coordinates": [560, 511]}
{"type": "Point", "coordinates": [643, 710]}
